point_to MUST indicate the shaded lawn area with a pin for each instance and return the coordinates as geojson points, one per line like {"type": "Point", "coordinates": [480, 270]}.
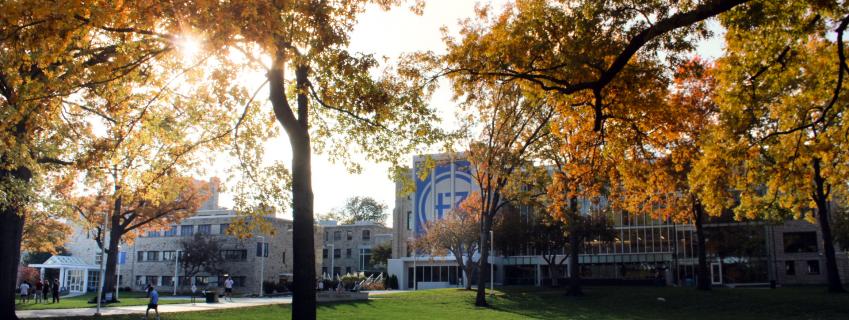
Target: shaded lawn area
{"type": "Point", "coordinates": [126, 298]}
{"type": "Point", "coordinates": [600, 303]}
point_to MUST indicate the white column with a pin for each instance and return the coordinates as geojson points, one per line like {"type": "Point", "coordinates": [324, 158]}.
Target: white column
{"type": "Point", "coordinates": [85, 280]}
{"type": "Point", "coordinates": [41, 273]}
{"type": "Point", "coordinates": [61, 277]}
{"type": "Point", "coordinates": [539, 274]}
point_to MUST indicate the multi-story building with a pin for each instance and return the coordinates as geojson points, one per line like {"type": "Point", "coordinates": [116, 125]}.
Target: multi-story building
{"type": "Point", "coordinates": [347, 247]}
{"type": "Point", "coordinates": [643, 249]}
{"type": "Point", "coordinates": [153, 258]}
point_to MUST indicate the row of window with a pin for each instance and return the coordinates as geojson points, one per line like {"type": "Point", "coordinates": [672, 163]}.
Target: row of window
{"type": "Point", "coordinates": [349, 235]}
{"type": "Point", "coordinates": [200, 281]}
{"type": "Point", "coordinates": [189, 230]}
{"type": "Point", "coordinates": [813, 267]}
{"type": "Point", "coordinates": [228, 255]}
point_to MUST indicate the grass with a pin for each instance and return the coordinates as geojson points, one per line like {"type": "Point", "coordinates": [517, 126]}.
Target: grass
{"type": "Point", "coordinates": [127, 299]}
{"type": "Point", "coordinates": [599, 303]}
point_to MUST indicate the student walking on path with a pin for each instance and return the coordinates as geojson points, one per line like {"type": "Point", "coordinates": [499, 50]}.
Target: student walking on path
{"type": "Point", "coordinates": [45, 290]}
{"type": "Point", "coordinates": [228, 289]}
{"type": "Point", "coordinates": [154, 301]}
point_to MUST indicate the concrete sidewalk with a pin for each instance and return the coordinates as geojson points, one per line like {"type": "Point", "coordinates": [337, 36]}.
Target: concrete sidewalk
{"type": "Point", "coordinates": [165, 308]}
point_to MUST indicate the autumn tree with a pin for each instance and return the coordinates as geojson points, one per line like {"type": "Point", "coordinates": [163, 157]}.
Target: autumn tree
{"type": "Point", "coordinates": [360, 209]}
{"type": "Point", "coordinates": [381, 253]}
{"type": "Point", "coordinates": [52, 51]}
{"type": "Point", "coordinates": [456, 233]}
{"type": "Point", "coordinates": [782, 93]}
{"type": "Point", "coordinates": [548, 238]}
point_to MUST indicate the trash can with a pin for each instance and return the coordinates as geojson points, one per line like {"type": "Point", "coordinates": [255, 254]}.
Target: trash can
{"type": "Point", "coordinates": [211, 296]}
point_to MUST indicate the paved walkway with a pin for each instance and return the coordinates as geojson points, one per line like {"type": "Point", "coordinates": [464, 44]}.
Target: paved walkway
{"type": "Point", "coordinates": [163, 308]}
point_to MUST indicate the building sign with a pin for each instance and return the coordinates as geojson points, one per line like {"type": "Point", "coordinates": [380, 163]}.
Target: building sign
{"type": "Point", "coordinates": [447, 184]}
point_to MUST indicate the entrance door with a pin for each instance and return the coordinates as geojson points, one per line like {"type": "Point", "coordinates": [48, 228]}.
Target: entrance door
{"type": "Point", "coordinates": [74, 280]}
{"type": "Point", "coordinates": [716, 273]}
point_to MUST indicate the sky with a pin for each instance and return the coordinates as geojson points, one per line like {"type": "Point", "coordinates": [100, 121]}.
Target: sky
{"type": "Point", "coordinates": [392, 33]}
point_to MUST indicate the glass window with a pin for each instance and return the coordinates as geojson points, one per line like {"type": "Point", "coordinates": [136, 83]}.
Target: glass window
{"type": "Point", "coordinates": [337, 235]}
{"type": "Point", "coordinates": [409, 220]}
{"type": "Point", "coordinates": [169, 255]}
{"type": "Point", "coordinates": [348, 252]}
{"type": "Point", "coordinates": [349, 235]}
{"type": "Point", "coordinates": [800, 242]}
{"type": "Point", "coordinates": [167, 280]}
{"type": "Point", "coordinates": [152, 256]}
{"type": "Point", "coordinates": [205, 229]}
{"type": "Point", "coordinates": [790, 268]}
{"type": "Point", "coordinates": [337, 253]}
{"type": "Point", "coordinates": [201, 281]}
{"type": "Point", "coordinates": [324, 253]}
{"type": "Point", "coordinates": [337, 270]}
{"type": "Point", "coordinates": [813, 267]}
{"type": "Point", "coordinates": [222, 228]}
{"type": "Point", "coordinates": [323, 270]}
{"type": "Point", "coordinates": [154, 280]}
{"type": "Point", "coordinates": [140, 256]}
{"type": "Point", "coordinates": [153, 234]}
{"type": "Point", "coordinates": [139, 280]}
{"type": "Point", "coordinates": [171, 232]}
{"type": "Point", "coordinates": [234, 255]}
{"type": "Point", "coordinates": [98, 258]}
{"type": "Point", "coordinates": [187, 231]}
{"type": "Point", "coordinates": [366, 235]}
{"type": "Point", "coordinates": [347, 270]}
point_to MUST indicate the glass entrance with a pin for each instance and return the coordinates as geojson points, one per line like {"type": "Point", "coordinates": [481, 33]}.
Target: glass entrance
{"type": "Point", "coordinates": [716, 273]}
{"type": "Point", "coordinates": [74, 280]}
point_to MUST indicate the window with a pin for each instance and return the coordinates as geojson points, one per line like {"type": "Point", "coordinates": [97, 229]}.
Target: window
{"type": "Point", "coordinates": [323, 270]}
{"type": "Point", "coordinates": [169, 255]}
{"type": "Point", "coordinates": [813, 267]}
{"type": "Point", "coordinates": [98, 258]}
{"type": "Point", "coordinates": [93, 279]}
{"type": "Point", "coordinates": [365, 259]}
{"type": "Point", "coordinates": [366, 235]}
{"type": "Point", "coordinates": [139, 280]}
{"type": "Point", "coordinates": [153, 234]}
{"type": "Point", "coordinates": [284, 257]}
{"type": "Point", "coordinates": [222, 229]}
{"type": "Point", "coordinates": [337, 270]}
{"type": "Point", "coordinates": [205, 229]}
{"type": "Point", "coordinates": [324, 253]}
{"type": "Point", "coordinates": [153, 280]}
{"type": "Point", "coordinates": [347, 270]}
{"type": "Point", "coordinates": [171, 232]}
{"type": "Point", "coordinates": [349, 235]}
{"type": "Point", "coordinates": [140, 256]}
{"type": "Point", "coordinates": [326, 236]}
{"type": "Point", "coordinates": [152, 256]}
{"type": "Point", "coordinates": [337, 253]}
{"type": "Point", "coordinates": [337, 235]}
{"type": "Point", "coordinates": [201, 281]}
{"type": "Point", "coordinates": [167, 280]}
{"type": "Point", "coordinates": [409, 220]}
{"type": "Point", "coordinates": [187, 231]}
{"type": "Point", "coordinates": [790, 268]}
{"type": "Point", "coordinates": [234, 255]}
{"type": "Point", "coordinates": [800, 242]}
{"type": "Point", "coordinates": [348, 252]}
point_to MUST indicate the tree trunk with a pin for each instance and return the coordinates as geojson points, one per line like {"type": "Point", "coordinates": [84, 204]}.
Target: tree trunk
{"type": "Point", "coordinates": [469, 269]}
{"type": "Point", "coordinates": [703, 282]}
{"type": "Point", "coordinates": [303, 293]}
{"type": "Point", "coordinates": [11, 232]}
{"type": "Point", "coordinates": [821, 199]}
{"type": "Point", "coordinates": [116, 231]}
{"type": "Point", "coordinates": [483, 265]}
{"type": "Point", "coordinates": [552, 272]}
{"type": "Point", "coordinates": [574, 267]}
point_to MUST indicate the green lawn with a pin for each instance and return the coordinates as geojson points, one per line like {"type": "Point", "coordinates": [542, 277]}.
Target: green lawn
{"type": "Point", "coordinates": [600, 303]}
{"type": "Point", "coordinates": [127, 299]}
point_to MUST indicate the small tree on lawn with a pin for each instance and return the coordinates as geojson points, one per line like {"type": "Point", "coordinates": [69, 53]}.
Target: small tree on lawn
{"type": "Point", "coordinates": [201, 253]}
{"type": "Point", "coordinates": [456, 233]}
{"type": "Point", "coordinates": [381, 253]}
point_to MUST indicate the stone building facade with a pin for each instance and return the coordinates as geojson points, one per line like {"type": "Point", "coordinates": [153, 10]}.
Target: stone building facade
{"type": "Point", "coordinates": [347, 247]}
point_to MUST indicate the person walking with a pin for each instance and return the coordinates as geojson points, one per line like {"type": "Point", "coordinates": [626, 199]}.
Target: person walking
{"type": "Point", "coordinates": [38, 290]}
{"type": "Point", "coordinates": [55, 290]}
{"type": "Point", "coordinates": [194, 293]}
{"type": "Point", "coordinates": [228, 289]}
{"type": "Point", "coordinates": [24, 292]}
{"type": "Point", "coordinates": [153, 303]}
{"type": "Point", "coordinates": [45, 290]}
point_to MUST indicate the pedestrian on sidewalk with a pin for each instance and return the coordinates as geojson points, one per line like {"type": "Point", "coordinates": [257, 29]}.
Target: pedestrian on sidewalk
{"type": "Point", "coordinates": [55, 290]}
{"type": "Point", "coordinates": [228, 289]}
{"type": "Point", "coordinates": [45, 290]}
{"type": "Point", "coordinates": [24, 292]}
{"type": "Point", "coordinates": [38, 290]}
{"type": "Point", "coordinates": [154, 301]}
{"type": "Point", "coordinates": [194, 293]}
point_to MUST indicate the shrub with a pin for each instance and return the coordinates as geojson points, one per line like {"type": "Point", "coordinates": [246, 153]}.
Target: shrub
{"type": "Point", "coordinates": [268, 287]}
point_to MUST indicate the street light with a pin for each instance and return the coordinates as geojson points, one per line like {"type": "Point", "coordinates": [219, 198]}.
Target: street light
{"type": "Point", "coordinates": [102, 263]}
{"type": "Point", "coordinates": [492, 264]}
{"type": "Point", "coordinates": [176, 264]}
{"type": "Point", "coordinates": [262, 264]}
{"type": "Point", "coordinates": [331, 254]}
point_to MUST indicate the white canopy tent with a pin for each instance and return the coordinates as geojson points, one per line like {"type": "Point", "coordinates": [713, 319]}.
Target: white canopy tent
{"type": "Point", "coordinates": [73, 272]}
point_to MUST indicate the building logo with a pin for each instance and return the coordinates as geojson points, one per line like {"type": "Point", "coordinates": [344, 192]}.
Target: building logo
{"type": "Point", "coordinates": [444, 188]}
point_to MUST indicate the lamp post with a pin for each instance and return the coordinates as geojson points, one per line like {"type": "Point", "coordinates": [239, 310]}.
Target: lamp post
{"type": "Point", "coordinates": [176, 264]}
{"type": "Point", "coordinates": [262, 263]}
{"type": "Point", "coordinates": [118, 274]}
{"type": "Point", "coordinates": [332, 256]}
{"type": "Point", "coordinates": [102, 263]}
{"type": "Point", "coordinates": [492, 264]}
